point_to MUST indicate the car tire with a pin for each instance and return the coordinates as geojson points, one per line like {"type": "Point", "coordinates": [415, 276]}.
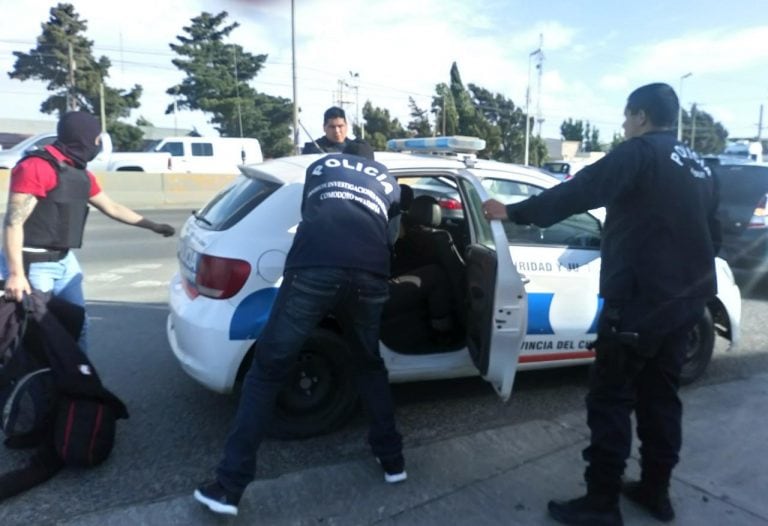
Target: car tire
{"type": "Point", "coordinates": [320, 395]}
{"type": "Point", "coordinates": [699, 348]}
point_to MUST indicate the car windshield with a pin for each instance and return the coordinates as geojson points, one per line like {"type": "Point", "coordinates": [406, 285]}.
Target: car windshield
{"type": "Point", "coordinates": [578, 230]}
{"type": "Point", "coordinates": [235, 202]}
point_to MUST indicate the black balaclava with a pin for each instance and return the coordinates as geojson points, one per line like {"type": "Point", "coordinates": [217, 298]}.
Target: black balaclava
{"type": "Point", "coordinates": [77, 132]}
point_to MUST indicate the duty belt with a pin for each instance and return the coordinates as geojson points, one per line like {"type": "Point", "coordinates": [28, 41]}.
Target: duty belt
{"type": "Point", "coordinates": [44, 256]}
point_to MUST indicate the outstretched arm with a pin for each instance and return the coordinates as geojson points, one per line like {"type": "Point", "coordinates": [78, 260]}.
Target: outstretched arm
{"type": "Point", "coordinates": [122, 213]}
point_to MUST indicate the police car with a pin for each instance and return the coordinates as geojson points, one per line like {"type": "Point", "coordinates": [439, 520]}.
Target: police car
{"type": "Point", "coordinates": [532, 293]}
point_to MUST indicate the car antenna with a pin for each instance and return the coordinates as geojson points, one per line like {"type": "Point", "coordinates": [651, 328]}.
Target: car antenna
{"type": "Point", "coordinates": [310, 137]}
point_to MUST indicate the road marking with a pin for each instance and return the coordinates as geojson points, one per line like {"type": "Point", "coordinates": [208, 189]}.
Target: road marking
{"type": "Point", "coordinates": [116, 274]}
{"type": "Point", "coordinates": [104, 277]}
{"type": "Point", "coordinates": [150, 283]}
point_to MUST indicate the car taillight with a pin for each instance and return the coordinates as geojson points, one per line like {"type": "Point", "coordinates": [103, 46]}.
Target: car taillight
{"type": "Point", "coordinates": [760, 215]}
{"type": "Point", "coordinates": [449, 204]}
{"type": "Point", "coordinates": [221, 278]}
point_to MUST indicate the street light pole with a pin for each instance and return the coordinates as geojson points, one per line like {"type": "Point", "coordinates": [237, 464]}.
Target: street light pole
{"type": "Point", "coordinates": [680, 109]}
{"type": "Point", "coordinates": [527, 107]}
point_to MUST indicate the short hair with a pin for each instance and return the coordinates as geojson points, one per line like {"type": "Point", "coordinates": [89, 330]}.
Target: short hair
{"type": "Point", "coordinates": [359, 148]}
{"type": "Point", "coordinates": [658, 101]}
{"type": "Point", "coordinates": [334, 112]}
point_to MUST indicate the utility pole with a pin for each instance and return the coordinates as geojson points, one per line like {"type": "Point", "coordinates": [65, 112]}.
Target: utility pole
{"type": "Point", "coordinates": [356, 87]}
{"type": "Point", "coordinates": [527, 108]}
{"type": "Point", "coordinates": [760, 124]}
{"type": "Point", "coordinates": [71, 101]}
{"type": "Point", "coordinates": [680, 107]}
{"type": "Point", "coordinates": [693, 127]}
{"type": "Point", "coordinates": [341, 94]}
{"type": "Point", "coordinates": [102, 109]}
{"type": "Point", "coordinates": [540, 68]}
{"type": "Point", "coordinates": [237, 93]}
{"type": "Point", "coordinates": [443, 114]}
{"type": "Point", "coordinates": [293, 73]}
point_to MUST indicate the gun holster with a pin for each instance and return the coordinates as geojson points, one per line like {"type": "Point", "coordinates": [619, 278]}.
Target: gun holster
{"type": "Point", "coordinates": [618, 355]}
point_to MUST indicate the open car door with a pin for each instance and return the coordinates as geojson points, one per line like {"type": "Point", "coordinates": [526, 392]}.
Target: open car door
{"type": "Point", "coordinates": [497, 302]}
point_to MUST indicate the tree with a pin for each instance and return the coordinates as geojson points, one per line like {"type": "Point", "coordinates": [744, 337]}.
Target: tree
{"type": "Point", "coordinates": [419, 125]}
{"type": "Point", "coordinates": [380, 127]}
{"type": "Point", "coordinates": [591, 142]}
{"type": "Point", "coordinates": [572, 131]}
{"type": "Point", "coordinates": [702, 132]}
{"type": "Point", "coordinates": [49, 62]}
{"type": "Point", "coordinates": [217, 76]}
{"type": "Point", "coordinates": [446, 117]}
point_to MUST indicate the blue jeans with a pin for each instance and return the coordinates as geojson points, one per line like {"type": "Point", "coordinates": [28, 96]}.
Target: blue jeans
{"type": "Point", "coordinates": [306, 296]}
{"type": "Point", "coordinates": [64, 278]}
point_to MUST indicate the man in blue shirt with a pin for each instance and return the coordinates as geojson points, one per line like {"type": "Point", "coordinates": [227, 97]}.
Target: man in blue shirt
{"type": "Point", "coordinates": [338, 264]}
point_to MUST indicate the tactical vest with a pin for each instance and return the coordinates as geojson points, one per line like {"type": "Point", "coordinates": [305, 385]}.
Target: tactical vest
{"type": "Point", "coordinates": [58, 220]}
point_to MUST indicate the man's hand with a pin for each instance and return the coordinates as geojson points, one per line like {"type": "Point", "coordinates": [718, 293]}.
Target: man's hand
{"type": "Point", "coordinates": [158, 228]}
{"type": "Point", "coordinates": [16, 286]}
{"type": "Point", "coordinates": [494, 209]}
{"type": "Point", "coordinates": [164, 229]}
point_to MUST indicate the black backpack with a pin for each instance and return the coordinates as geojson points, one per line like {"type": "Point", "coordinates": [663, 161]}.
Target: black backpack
{"type": "Point", "coordinates": [48, 387]}
{"type": "Point", "coordinates": [28, 392]}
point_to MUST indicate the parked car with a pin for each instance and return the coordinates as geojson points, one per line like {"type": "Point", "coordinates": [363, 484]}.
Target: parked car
{"type": "Point", "coordinates": [560, 169]}
{"type": "Point", "coordinates": [743, 211]}
{"type": "Point", "coordinates": [9, 157]}
{"type": "Point", "coordinates": [533, 292]}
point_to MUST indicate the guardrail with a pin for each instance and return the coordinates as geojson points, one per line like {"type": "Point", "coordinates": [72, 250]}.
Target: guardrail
{"type": "Point", "coordinates": [147, 190]}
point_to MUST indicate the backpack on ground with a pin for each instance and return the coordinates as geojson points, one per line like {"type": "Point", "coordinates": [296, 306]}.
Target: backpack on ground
{"type": "Point", "coordinates": [50, 394]}
{"type": "Point", "coordinates": [28, 391]}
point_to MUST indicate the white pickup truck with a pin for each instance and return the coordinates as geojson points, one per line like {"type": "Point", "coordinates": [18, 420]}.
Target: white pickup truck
{"type": "Point", "coordinates": [218, 155]}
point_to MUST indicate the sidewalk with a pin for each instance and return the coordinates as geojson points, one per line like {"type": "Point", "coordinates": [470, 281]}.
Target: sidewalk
{"type": "Point", "coordinates": [505, 476]}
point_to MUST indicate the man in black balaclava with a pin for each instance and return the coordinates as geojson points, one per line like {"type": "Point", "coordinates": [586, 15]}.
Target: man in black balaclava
{"type": "Point", "coordinates": [50, 191]}
{"type": "Point", "coordinates": [77, 134]}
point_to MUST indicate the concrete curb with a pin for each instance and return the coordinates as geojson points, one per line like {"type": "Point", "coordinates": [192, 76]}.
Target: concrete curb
{"type": "Point", "coordinates": [506, 476]}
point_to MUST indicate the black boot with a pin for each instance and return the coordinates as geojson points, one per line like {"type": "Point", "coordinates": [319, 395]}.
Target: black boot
{"type": "Point", "coordinates": [589, 510]}
{"type": "Point", "coordinates": [655, 499]}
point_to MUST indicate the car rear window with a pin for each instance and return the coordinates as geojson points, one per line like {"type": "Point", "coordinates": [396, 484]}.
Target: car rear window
{"type": "Point", "coordinates": [235, 202]}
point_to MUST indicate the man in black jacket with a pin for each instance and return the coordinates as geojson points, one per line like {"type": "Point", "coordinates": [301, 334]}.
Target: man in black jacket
{"type": "Point", "coordinates": [335, 139]}
{"type": "Point", "coordinates": [657, 275]}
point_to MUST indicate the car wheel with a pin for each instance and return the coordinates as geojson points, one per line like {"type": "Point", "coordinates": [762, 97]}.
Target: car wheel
{"type": "Point", "coordinates": [320, 395]}
{"type": "Point", "coordinates": [698, 351]}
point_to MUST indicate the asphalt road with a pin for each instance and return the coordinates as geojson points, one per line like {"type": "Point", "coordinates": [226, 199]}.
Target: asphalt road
{"type": "Point", "coordinates": [176, 431]}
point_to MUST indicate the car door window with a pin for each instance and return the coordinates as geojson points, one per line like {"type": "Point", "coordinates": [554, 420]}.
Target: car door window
{"type": "Point", "coordinates": [176, 149]}
{"type": "Point", "coordinates": [202, 149]}
{"type": "Point", "coordinates": [577, 231]}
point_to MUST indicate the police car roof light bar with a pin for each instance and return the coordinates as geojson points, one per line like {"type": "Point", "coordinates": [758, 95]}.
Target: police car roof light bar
{"type": "Point", "coordinates": [450, 144]}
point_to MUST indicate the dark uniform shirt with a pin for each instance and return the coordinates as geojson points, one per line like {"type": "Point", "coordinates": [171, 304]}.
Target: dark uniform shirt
{"type": "Point", "coordinates": [326, 146]}
{"type": "Point", "coordinates": [350, 215]}
{"type": "Point", "coordinates": [660, 234]}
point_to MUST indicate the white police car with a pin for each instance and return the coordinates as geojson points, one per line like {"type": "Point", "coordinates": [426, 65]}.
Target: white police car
{"type": "Point", "coordinates": [532, 292]}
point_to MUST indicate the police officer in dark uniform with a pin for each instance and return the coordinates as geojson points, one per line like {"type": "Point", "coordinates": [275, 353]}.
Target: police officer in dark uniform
{"type": "Point", "coordinates": [338, 263]}
{"type": "Point", "coordinates": [659, 241]}
{"type": "Point", "coordinates": [335, 138]}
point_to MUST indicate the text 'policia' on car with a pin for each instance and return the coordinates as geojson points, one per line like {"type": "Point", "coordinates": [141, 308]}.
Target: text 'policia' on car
{"type": "Point", "coordinates": [531, 293]}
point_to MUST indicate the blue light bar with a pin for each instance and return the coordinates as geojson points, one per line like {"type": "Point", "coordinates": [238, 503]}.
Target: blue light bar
{"type": "Point", "coordinates": [451, 144]}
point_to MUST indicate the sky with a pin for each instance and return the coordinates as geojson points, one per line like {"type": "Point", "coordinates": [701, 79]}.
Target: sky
{"type": "Point", "coordinates": [594, 52]}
